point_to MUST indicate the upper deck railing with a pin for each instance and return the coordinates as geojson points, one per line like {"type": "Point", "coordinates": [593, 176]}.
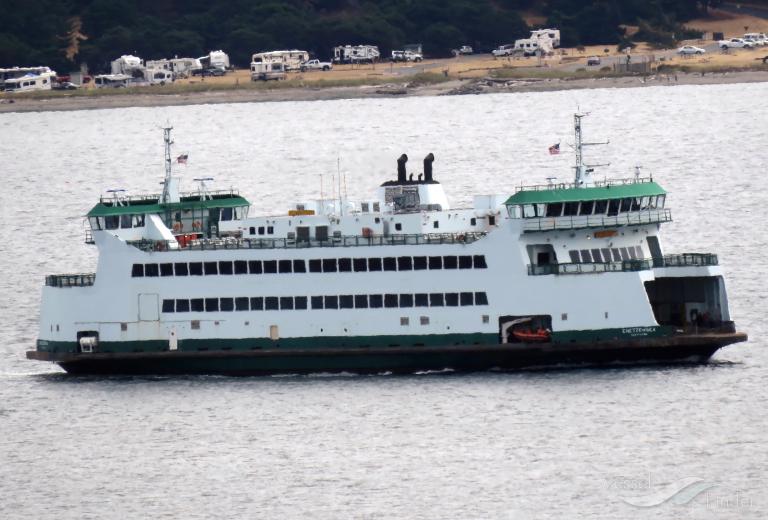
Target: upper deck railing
{"type": "Point", "coordinates": [597, 184]}
{"type": "Point", "coordinates": [292, 243]}
{"type": "Point", "coordinates": [681, 260]}
{"type": "Point", "coordinates": [634, 218]}
{"type": "Point", "coordinates": [70, 280]}
{"type": "Point", "coordinates": [150, 198]}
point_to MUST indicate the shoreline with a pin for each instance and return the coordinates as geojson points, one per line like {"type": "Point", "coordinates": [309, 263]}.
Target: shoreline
{"type": "Point", "coordinates": [308, 93]}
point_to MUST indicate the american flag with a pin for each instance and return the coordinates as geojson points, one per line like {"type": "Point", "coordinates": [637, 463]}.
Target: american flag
{"type": "Point", "coordinates": [182, 159]}
{"type": "Point", "coordinates": [554, 149]}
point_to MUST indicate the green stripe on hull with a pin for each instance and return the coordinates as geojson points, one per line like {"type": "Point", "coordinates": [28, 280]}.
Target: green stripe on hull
{"type": "Point", "coordinates": [579, 336]}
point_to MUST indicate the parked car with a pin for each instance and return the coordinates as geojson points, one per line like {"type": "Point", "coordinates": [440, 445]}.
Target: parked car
{"type": "Point", "coordinates": [315, 65]}
{"type": "Point", "coordinates": [64, 85]}
{"type": "Point", "coordinates": [406, 56]}
{"type": "Point", "coordinates": [464, 49]}
{"type": "Point", "coordinates": [211, 71]}
{"type": "Point", "coordinates": [593, 61]}
{"type": "Point", "coordinates": [757, 38]}
{"type": "Point", "coordinates": [690, 49]}
{"type": "Point", "coordinates": [735, 43]}
{"type": "Point", "coordinates": [504, 50]}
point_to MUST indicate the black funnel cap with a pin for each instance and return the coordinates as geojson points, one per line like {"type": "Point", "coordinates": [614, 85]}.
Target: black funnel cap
{"type": "Point", "coordinates": [401, 176]}
{"type": "Point", "coordinates": [428, 167]}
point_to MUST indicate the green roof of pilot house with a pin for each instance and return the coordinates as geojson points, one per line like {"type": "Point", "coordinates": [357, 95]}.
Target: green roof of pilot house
{"type": "Point", "coordinates": [106, 207]}
{"type": "Point", "coordinates": [610, 191]}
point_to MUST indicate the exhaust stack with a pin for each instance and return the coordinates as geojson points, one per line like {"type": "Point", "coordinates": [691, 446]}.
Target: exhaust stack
{"type": "Point", "coordinates": [401, 176]}
{"type": "Point", "coordinates": [428, 167]}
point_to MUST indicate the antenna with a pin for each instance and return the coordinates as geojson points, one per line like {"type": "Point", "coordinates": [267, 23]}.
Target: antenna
{"type": "Point", "coordinates": [167, 181]}
{"type": "Point", "coordinates": [338, 179]}
{"type": "Point", "coordinates": [583, 172]}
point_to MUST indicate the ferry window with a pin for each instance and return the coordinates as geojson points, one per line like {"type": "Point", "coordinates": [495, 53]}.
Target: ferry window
{"type": "Point", "coordinates": [492, 220]}
{"type": "Point", "coordinates": [300, 302]}
{"type": "Point", "coordinates": [168, 306]}
{"type": "Point", "coordinates": [616, 255]}
{"type": "Point", "coordinates": [329, 265]}
{"type": "Point", "coordinates": [406, 300]}
{"type": "Point", "coordinates": [95, 222]}
{"type": "Point", "coordinates": [452, 299]}
{"type": "Point", "coordinates": [473, 221]}
{"type": "Point", "coordinates": [137, 270]}
{"type": "Point", "coordinates": [182, 305]}
{"type": "Point", "coordinates": [315, 266]}
{"type": "Point", "coordinates": [435, 262]}
{"type": "Point", "coordinates": [211, 305]}
{"type": "Point", "coordinates": [644, 203]}
{"type": "Point", "coordinates": [317, 302]}
{"type": "Point", "coordinates": [624, 254]}
{"type": "Point", "coordinates": [138, 220]}
{"type": "Point", "coordinates": [404, 321]}
{"type": "Point", "coordinates": [111, 222]}
{"type": "Point", "coordinates": [390, 300]}
{"type": "Point", "coordinates": [639, 252]}
{"type": "Point", "coordinates": [436, 300]}
{"type": "Point", "coordinates": [376, 207]}
{"type": "Point", "coordinates": [419, 263]}
{"type": "Point", "coordinates": [181, 269]}
{"type": "Point", "coordinates": [299, 266]}
{"type": "Point", "coordinates": [345, 265]}
{"type": "Point", "coordinates": [465, 262]}
{"type": "Point", "coordinates": [270, 266]}
{"type": "Point", "coordinates": [360, 264]}
{"type": "Point", "coordinates": [466, 298]}
{"type": "Point", "coordinates": [636, 204]}
{"type": "Point", "coordinates": [632, 253]}
{"type": "Point", "coordinates": [660, 201]}
{"type": "Point", "coordinates": [555, 209]}
{"type": "Point", "coordinates": [125, 221]}
{"type": "Point", "coordinates": [374, 264]}
{"type": "Point", "coordinates": [166, 269]}
{"type": "Point", "coordinates": [254, 266]}
{"type": "Point", "coordinates": [361, 301]}
{"type": "Point", "coordinates": [285, 266]}
{"type": "Point", "coordinates": [225, 267]}
{"type": "Point", "coordinates": [197, 305]}
{"type": "Point", "coordinates": [479, 262]}
{"type": "Point", "coordinates": [404, 263]}
{"type": "Point", "coordinates": [210, 268]}
{"type": "Point", "coordinates": [600, 207]}
{"type": "Point", "coordinates": [626, 204]}
{"type": "Point", "coordinates": [613, 207]}
{"type": "Point", "coordinates": [271, 303]}
{"type": "Point", "coordinates": [421, 300]}
{"type": "Point", "coordinates": [606, 254]}
{"type": "Point", "coordinates": [424, 320]}
{"type": "Point", "coordinates": [481, 299]}
{"type": "Point", "coordinates": [575, 258]}
{"type": "Point", "coordinates": [286, 303]}
{"type": "Point", "coordinates": [331, 302]}
{"type": "Point", "coordinates": [151, 270]}
{"type": "Point", "coordinates": [398, 226]}
{"type": "Point", "coordinates": [586, 207]}
{"type": "Point", "coordinates": [241, 304]}
{"type": "Point", "coordinates": [529, 211]}
{"type": "Point", "coordinates": [596, 256]}
{"type": "Point", "coordinates": [257, 303]}
{"type": "Point", "coordinates": [364, 207]}
{"type": "Point", "coordinates": [252, 230]}
{"type": "Point", "coordinates": [436, 224]}
{"type": "Point", "coordinates": [321, 233]}
{"type": "Point", "coordinates": [377, 219]}
{"type": "Point", "coordinates": [390, 264]}
{"type": "Point", "coordinates": [375, 301]}
{"type": "Point", "coordinates": [570, 209]}
{"type": "Point", "coordinates": [450, 262]}
{"type": "Point", "coordinates": [270, 230]}
{"type": "Point", "coordinates": [227, 304]}
{"type": "Point", "coordinates": [346, 301]}
{"type": "Point", "coordinates": [261, 230]}
{"type": "Point", "coordinates": [241, 267]}
{"type": "Point", "coordinates": [585, 256]}
{"type": "Point", "coordinates": [226, 214]}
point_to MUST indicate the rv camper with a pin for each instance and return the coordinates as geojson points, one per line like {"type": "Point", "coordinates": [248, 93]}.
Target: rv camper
{"type": "Point", "coordinates": [181, 67]}
{"type": "Point", "coordinates": [261, 71]}
{"type": "Point", "coordinates": [17, 72]}
{"type": "Point", "coordinates": [112, 80]}
{"type": "Point", "coordinates": [30, 82]}
{"type": "Point", "coordinates": [128, 65]}
{"type": "Point", "coordinates": [291, 60]}
{"type": "Point", "coordinates": [356, 54]}
{"type": "Point", "coordinates": [215, 60]}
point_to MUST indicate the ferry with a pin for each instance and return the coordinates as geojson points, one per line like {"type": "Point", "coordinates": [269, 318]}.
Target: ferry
{"type": "Point", "coordinates": [554, 275]}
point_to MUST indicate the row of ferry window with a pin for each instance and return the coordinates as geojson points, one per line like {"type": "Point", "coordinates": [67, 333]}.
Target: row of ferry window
{"type": "Point", "coordinates": [118, 221]}
{"type": "Point", "coordinates": [316, 265]}
{"type": "Point", "coordinates": [610, 207]}
{"type": "Point", "coordinates": [605, 254]}
{"type": "Point", "coordinates": [344, 301]}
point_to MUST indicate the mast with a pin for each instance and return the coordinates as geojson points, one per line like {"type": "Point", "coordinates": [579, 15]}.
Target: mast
{"type": "Point", "coordinates": [583, 177]}
{"type": "Point", "coordinates": [167, 182]}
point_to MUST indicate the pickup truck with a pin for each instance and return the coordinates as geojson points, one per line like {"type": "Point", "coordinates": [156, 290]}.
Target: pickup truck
{"type": "Point", "coordinates": [735, 43]}
{"type": "Point", "coordinates": [406, 56]}
{"type": "Point", "coordinates": [315, 65]}
{"type": "Point", "coordinates": [504, 50]}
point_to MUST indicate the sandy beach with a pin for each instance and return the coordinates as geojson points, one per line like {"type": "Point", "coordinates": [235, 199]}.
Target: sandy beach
{"type": "Point", "coordinates": [451, 87]}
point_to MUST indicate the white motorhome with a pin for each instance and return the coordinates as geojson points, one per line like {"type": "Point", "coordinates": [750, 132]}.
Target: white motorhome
{"type": "Point", "coordinates": [181, 67]}
{"type": "Point", "coordinates": [112, 80]}
{"type": "Point", "coordinates": [356, 54]}
{"type": "Point", "coordinates": [127, 65]}
{"type": "Point", "coordinates": [291, 60]}
{"type": "Point", "coordinates": [527, 47]}
{"type": "Point", "coordinates": [266, 71]}
{"type": "Point", "coordinates": [551, 36]}
{"type": "Point", "coordinates": [30, 82]}
{"type": "Point", "coordinates": [17, 72]}
{"type": "Point", "coordinates": [215, 60]}
{"type": "Point", "coordinates": [158, 76]}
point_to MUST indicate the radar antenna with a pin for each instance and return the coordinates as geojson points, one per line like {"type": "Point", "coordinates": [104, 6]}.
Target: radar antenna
{"type": "Point", "coordinates": [167, 181]}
